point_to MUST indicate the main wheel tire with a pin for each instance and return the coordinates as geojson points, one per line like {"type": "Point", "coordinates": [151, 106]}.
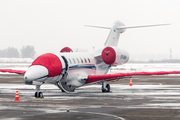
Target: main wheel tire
{"type": "Point", "coordinates": [36, 94]}
{"type": "Point", "coordinates": [40, 95]}
{"type": "Point", "coordinates": [103, 90]}
{"type": "Point", "coordinates": [108, 88]}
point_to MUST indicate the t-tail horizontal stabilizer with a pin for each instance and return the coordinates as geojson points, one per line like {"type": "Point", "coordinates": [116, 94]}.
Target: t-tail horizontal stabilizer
{"type": "Point", "coordinates": [117, 28]}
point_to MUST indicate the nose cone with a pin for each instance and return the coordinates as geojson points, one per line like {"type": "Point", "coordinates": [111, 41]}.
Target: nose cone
{"type": "Point", "coordinates": [51, 62]}
{"type": "Point", "coordinates": [36, 72]}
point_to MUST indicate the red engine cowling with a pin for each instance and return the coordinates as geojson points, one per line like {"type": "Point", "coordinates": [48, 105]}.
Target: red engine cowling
{"type": "Point", "coordinates": [114, 56]}
{"type": "Point", "coordinates": [66, 49]}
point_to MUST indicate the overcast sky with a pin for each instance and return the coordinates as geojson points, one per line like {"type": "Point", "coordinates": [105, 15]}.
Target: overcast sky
{"type": "Point", "coordinates": [50, 25]}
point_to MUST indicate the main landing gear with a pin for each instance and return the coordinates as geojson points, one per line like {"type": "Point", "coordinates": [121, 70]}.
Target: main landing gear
{"type": "Point", "coordinates": [105, 87]}
{"type": "Point", "coordinates": [38, 94]}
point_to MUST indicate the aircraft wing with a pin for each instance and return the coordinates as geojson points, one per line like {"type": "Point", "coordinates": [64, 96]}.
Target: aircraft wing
{"type": "Point", "coordinates": [110, 77]}
{"type": "Point", "coordinates": [13, 71]}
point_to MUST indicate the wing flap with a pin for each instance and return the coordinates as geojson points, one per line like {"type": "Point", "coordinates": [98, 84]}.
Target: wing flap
{"type": "Point", "coordinates": [109, 77]}
{"type": "Point", "coordinates": [13, 71]}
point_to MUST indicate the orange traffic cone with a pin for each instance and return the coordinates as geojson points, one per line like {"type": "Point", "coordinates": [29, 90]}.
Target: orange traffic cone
{"type": "Point", "coordinates": [130, 83]}
{"type": "Point", "coordinates": [17, 95]}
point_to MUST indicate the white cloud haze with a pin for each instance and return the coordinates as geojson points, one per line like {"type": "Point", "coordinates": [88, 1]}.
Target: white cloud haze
{"type": "Point", "coordinates": [50, 25]}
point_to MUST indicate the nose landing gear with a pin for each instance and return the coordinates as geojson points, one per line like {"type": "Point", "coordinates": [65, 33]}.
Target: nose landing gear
{"type": "Point", "coordinates": [38, 94]}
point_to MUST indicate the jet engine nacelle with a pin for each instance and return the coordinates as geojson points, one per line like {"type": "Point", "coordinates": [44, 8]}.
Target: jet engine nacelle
{"type": "Point", "coordinates": [114, 56]}
{"type": "Point", "coordinates": [68, 49]}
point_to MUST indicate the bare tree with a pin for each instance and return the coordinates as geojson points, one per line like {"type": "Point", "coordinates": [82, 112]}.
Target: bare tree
{"type": "Point", "coordinates": [12, 52]}
{"type": "Point", "coordinates": [28, 52]}
{"type": "Point", "coordinates": [2, 54]}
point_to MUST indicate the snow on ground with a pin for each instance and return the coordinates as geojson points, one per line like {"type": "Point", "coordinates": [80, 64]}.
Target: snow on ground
{"type": "Point", "coordinates": [145, 67]}
{"type": "Point", "coordinates": [15, 63]}
{"type": "Point", "coordinates": [18, 64]}
{"type": "Point", "coordinates": [16, 60]}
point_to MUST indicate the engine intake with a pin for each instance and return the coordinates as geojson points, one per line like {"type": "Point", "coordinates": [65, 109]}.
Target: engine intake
{"type": "Point", "coordinates": [114, 56]}
{"type": "Point", "coordinates": [66, 49]}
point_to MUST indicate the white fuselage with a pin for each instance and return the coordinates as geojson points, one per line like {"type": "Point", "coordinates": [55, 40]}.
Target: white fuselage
{"type": "Point", "coordinates": [79, 65]}
{"type": "Point", "coordinates": [76, 65]}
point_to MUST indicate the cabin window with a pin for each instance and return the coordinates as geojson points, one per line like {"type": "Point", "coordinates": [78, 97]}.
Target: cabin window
{"type": "Point", "coordinates": [89, 60]}
{"type": "Point", "coordinates": [70, 61]}
{"type": "Point", "coordinates": [81, 60]}
{"type": "Point", "coordinates": [77, 60]}
{"type": "Point", "coordinates": [74, 60]}
{"type": "Point", "coordinates": [85, 60]}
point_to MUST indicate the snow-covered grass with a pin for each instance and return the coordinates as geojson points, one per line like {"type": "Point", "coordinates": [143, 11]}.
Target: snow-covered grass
{"type": "Point", "coordinates": [16, 60]}
{"type": "Point", "coordinates": [145, 67]}
{"type": "Point", "coordinates": [24, 63]}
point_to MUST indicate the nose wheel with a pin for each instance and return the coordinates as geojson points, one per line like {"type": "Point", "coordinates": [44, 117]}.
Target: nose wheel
{"type": "Point", "coordinates": [38, 94]}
